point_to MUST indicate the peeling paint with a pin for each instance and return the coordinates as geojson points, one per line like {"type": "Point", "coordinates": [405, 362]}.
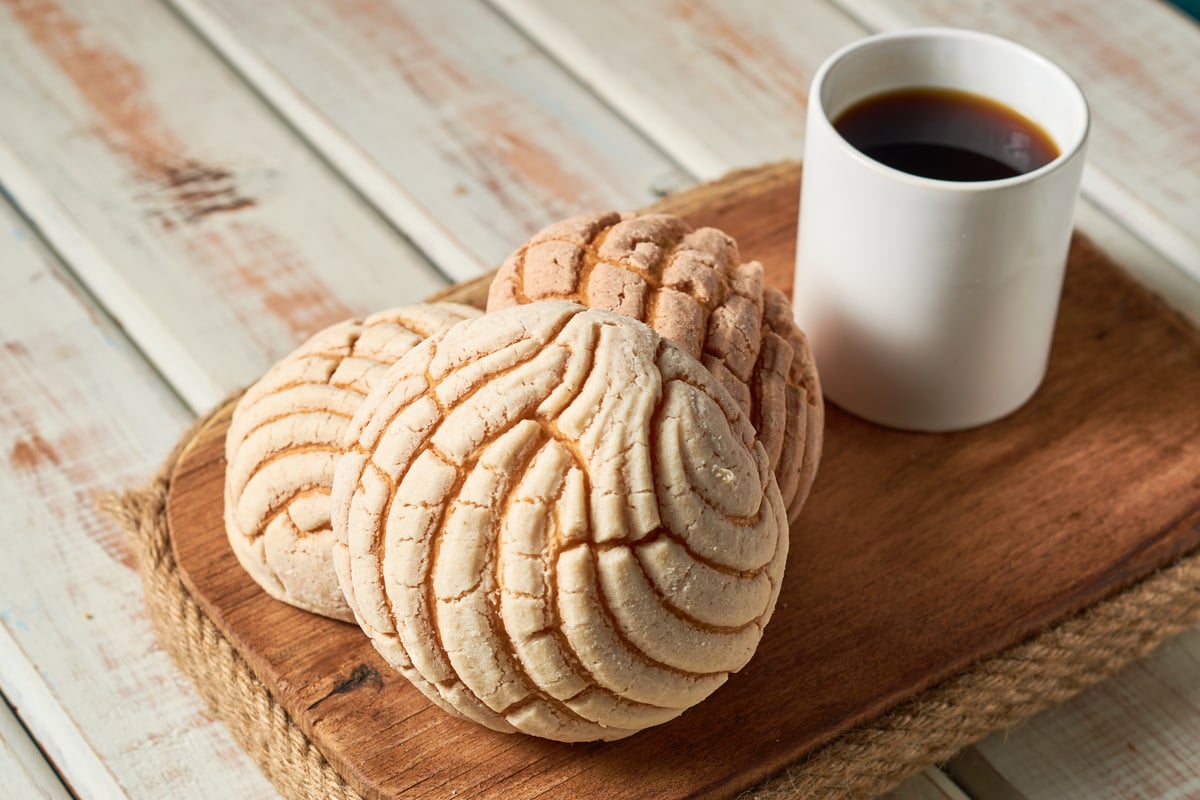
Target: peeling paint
{"type": "Point", "coordinates": [114, 89]}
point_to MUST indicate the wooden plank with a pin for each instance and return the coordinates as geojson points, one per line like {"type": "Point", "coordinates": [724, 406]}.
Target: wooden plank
{"type": "Point", "coordinates": [720, 85]}
{"type": "Point", "coordinates": [61, 737]}
{"type": "Point", "coordinates": [1046, 539]}
{"type": "Point", "coordinates": [1135, 61]}
{"type": "Point", "coordinates": [716, 85]}
{"type": "Point", "coordinates": [200, 221]}
{"type": "Point", "coordinates": [1133, 736]}
{"type": "Point", "coordinates": [23, 770]}
{"type": "Point", "coordinates": [82, 413]}
{"type": "Point", "coordinates": [456, 127]}
{"type": "Point", "coordinates": [1152, 269]}
{"type": "Point", "coordinates": [932, 784]}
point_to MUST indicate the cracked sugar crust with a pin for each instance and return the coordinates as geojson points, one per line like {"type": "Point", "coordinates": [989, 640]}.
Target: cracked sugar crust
{"type": "Point", "coordinates": [690, 286]}
{"type": "Point", "coordinates": [552, 520]}
{"type": "Point", "coordinates": [285, 437]}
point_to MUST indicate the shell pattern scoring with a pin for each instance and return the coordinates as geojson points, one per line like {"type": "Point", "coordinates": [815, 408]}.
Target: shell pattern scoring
{"type": "Point", "coordinates": [691, 286]}
{"type": "Point", "coordinates": [552, 520]}
{"type": "Point", "coordinates": [285, 436]}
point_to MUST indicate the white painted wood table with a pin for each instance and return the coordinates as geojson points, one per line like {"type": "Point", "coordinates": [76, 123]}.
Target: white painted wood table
{"type": "Point", "coordinates": [193, 186]}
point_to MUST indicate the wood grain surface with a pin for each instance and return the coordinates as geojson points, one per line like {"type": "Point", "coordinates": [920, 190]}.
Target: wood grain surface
{"type": "Point", "coordinates": [81, 413]}
{"type": "Point", "coordinates": [200, 221]}
{"type": "Point", "coordinates": [23, 770]}
{"type": "Point", "coordinates": [717, 85]}
{"type": "Point", "coordinates": [932, 784]}
{"type": "Point", "coordinates": [916, 555]}
{"type": "Point", "coordinates": [458, 129]}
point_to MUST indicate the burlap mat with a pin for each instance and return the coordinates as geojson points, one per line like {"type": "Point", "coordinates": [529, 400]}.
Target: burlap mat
{"type": "Point", "coordinates": [868, 761]}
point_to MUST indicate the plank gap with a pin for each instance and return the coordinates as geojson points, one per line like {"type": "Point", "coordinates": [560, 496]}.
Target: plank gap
{"type": "Point", "coordinates": [58, 266]}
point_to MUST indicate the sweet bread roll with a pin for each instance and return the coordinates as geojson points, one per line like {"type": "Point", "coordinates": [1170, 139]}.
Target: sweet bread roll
{"type": "Point", "coordinates": [554, 521]}
{"type": "Point", "coordinates": [286, 434]}
{"type": "Point", "coordinates": [690, 286]}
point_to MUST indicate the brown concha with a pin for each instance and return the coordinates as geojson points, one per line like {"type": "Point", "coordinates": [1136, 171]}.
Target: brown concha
{"type": "Point", "coordinates": [691, 287]}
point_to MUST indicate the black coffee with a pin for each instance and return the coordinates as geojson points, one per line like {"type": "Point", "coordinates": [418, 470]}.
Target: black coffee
{"type": "Point", "coordinates": [946, 134]}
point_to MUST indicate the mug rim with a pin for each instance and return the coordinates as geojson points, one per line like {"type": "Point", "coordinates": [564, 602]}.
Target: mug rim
{"type": "Point", "coordinates": [1074, 147]}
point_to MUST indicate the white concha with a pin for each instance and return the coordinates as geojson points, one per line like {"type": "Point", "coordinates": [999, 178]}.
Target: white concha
{"type": "Point", "coordinates": [553, 521]}
{"type": "Point", "coordinates": [284, 439]}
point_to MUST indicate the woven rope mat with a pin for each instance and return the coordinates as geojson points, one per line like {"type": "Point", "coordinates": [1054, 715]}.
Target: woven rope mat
{"type": "Point", "coordinates": [992, 695]}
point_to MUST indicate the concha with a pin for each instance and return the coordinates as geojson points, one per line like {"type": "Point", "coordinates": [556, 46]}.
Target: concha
{"type": "Point", "coordinates": [285, 436]}
{"type": "Point", "coordinates": [552, 520]}
{"type": "Point", "coordinates": [690, 286]}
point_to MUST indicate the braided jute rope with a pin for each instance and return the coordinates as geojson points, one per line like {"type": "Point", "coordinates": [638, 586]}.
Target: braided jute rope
{"type": "Point", "coordinates": [992, 695]}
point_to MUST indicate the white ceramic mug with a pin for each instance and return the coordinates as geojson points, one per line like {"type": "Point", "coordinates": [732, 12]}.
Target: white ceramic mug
{"type": "Point", "coordinates": [930, 304]}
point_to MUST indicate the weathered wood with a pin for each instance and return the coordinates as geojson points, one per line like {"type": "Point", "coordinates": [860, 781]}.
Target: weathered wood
{"type": "Point", "coordinates": [23, 770]}
{"type": "Point", "coordinates": [1148, 265]}
{"type": "Point", "coordinates": [717, 85]}
{"type": "Point", "coordinates": [81, 413]}
{"type": "Point", "coordinates": [68, 186]}
{"type": "Point", "coordinates": [932, 784]}
{"type": "Point", "coordinates": [722, 85]}
{"type": "Point", "coordinates": [200, 221]}
{"type": "Point", "coordinates": [462, 133]}
{"type": "Point", "coordinates": [916, 556]}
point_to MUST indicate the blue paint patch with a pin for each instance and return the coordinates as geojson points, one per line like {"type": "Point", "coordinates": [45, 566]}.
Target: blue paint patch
{"type": "Point", "coordinates": [12, 621]}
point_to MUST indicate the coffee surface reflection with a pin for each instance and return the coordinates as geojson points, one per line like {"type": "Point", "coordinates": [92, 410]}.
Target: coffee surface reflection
{"type": "Point", "coordinates": [946, 134]}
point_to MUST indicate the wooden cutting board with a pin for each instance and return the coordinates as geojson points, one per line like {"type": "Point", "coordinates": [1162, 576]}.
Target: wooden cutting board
{"type": "Point", "coordinates": [916, 555]}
